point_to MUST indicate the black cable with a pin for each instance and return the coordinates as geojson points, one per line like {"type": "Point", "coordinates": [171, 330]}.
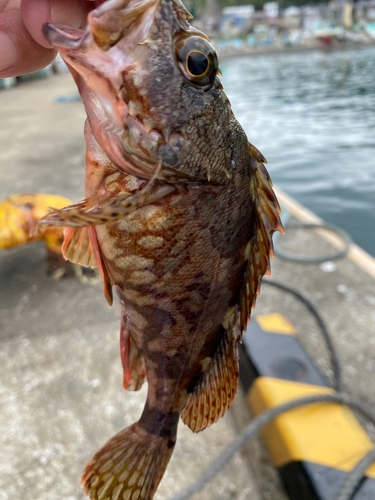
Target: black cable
{"type": "Point", "coordinates": [308, 259]}
{"type": "Point", "coordinates": [323, 327]}
{"type": "Point", "coordinates": [355, 476]}
{"type": "Point", "coordinates": [256, 424]}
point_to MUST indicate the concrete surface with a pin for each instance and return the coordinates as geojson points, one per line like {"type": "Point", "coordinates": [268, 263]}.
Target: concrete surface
{"type": "Point", "coordinates": [345, 297]}
{"type": "Point", "coordinates": [60, 372]}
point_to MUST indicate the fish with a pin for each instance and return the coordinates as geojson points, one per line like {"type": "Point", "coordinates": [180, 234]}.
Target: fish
{"type": "Point", "coordinates": [19, 215]}
{"type": "Point", "coordinates": [178, 218]}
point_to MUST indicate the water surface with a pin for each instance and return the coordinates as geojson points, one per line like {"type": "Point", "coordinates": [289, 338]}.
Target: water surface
{"type": "Point", "coordinates": [313, 117]}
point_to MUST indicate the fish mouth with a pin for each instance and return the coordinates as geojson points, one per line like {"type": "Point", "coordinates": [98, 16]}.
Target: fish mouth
{"type": "Point", "coordinates": [123, 137]}
{"type": "Point", "coordinates": [130, 144]}
{"type": "Point", "coordinates": [114, 20]}
{"type": "Point", "coordinates": [106, 25]}
{"type": "Point", "coordinates": [112, 43]}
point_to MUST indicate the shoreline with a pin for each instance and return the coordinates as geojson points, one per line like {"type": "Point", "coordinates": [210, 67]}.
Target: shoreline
{"type": "Point", "coordinates": [356, 253]}
{"type": "Point", "coordinates": [270, 50]}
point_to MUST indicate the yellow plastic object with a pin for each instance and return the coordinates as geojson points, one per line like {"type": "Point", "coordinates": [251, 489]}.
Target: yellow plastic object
{"type": "Point", "coordinates": [275, 323]}
{"type": "Point", "coordinates": [19, 215]}
{"type": "Point", "coordinates": [323, 433]}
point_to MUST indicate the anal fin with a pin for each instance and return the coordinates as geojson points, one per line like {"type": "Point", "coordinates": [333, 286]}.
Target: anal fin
{"type": "Point", "coordinates": [216, 390]}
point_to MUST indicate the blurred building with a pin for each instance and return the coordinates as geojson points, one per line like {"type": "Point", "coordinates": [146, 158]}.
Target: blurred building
{"type": "Point", "coordinates": [209, 17]}
{"type": "Point", "coordinates": [271, 10]}
{"type": "Point", "coordinates": [236, 20]}
{"type": "Point", "coordinates": [292, 17]}
{"type": "Point", "coordinates": [364, 11]}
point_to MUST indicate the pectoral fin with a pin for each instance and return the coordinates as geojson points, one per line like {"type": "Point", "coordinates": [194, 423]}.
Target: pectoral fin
{"type": "Point", "coordinates": [101, 209]}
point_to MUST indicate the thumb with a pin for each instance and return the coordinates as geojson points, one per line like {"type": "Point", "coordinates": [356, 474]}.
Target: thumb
{"type": "Point", "coordinates": [19, 52]}
{"type": "Point", "coordinates": [71, 13]}
{"type": "Point", "coordinates": [23, 48]}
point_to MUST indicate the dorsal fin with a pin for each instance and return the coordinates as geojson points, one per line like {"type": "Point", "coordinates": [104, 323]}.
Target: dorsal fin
{"type": "Point", "coordinates": [217, 387]}
{"type": "Point", "coordinates": [260, 248]}
{"type": "Point", "coordinates": [257, 154]}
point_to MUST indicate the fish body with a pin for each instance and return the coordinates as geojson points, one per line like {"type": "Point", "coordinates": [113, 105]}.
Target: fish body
{"type": "Point", "coordinates": [178, 218]}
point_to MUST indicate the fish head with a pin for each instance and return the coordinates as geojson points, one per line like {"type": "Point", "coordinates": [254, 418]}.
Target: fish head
{"type": "Point", "coordinates": [148, 81]}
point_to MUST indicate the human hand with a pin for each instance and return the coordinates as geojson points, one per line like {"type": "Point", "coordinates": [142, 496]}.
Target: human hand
{"type": "Point", "coordinates": [23, 48]}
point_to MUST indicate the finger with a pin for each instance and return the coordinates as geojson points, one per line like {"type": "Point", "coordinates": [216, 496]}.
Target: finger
{"type": "Point", "coordinates": [19, 52]}
{"type": "Point", "coordinates": [71, 13]}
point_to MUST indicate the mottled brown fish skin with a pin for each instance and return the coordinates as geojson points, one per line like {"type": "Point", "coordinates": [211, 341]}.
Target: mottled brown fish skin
{"type": "Point", "coordinates": [178, 267]}
{"type": "Point", "coordinates": [179, 216]}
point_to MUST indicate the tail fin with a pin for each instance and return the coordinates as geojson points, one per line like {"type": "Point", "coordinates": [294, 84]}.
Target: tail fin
{"type": "Point", "coordinates": [129, 466]}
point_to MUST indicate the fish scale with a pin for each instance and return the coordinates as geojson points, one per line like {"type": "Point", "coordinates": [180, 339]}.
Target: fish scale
{"type": "Point", "coordinates": [179, 219]}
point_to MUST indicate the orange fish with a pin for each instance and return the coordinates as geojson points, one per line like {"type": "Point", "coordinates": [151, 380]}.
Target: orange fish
{"type": "Point", "coordinates": [19, 215]}
{"type": "Point", "coordinates": [179, 217]}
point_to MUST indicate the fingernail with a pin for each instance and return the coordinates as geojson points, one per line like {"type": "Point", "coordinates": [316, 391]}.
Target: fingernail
{"type": "Point", "coordinates": [8, 52]}
{"type": "Point", "coordinates": [67, 12]}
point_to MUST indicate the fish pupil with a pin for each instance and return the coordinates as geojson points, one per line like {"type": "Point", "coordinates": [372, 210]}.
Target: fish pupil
{"type": "Point", "coordinates": [197, 63]}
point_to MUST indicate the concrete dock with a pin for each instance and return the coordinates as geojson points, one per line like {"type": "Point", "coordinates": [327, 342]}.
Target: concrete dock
{"type": "Point", "coordinates": [61, 393]}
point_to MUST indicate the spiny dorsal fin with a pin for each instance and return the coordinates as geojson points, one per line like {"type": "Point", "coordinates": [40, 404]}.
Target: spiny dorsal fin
{"type": "Point", "coordinates": [257, 155]}
{"type": "Point", "coordinates": [217, 387]}
{"type": "Point", "coordinates": [260, 247]}
{"type": "Point", "coordinates": [77, 247]}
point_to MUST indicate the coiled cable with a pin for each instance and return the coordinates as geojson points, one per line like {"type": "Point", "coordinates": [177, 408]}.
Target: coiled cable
{"type": "Point", "coordinates": [308, 259]}
{"type": "Point", "coordinates": [355, 476]}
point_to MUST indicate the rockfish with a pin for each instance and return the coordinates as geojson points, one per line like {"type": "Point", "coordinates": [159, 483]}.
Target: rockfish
{"type": "Point", "coordinates": [179, 217]}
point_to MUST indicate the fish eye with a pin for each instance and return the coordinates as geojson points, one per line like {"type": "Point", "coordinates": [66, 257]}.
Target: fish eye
{"type": "Point", "coordinates": [197, 61]}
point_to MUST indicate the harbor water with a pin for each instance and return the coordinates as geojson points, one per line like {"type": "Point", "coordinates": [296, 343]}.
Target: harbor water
{"type": "Point", "coordinates": [313, 117]}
